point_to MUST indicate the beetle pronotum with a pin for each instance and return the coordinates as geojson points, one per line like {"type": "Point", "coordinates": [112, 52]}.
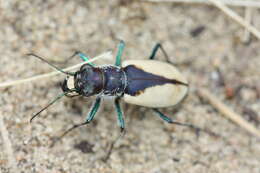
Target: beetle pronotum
{"type": "Point", "coordinates": [150, 83]}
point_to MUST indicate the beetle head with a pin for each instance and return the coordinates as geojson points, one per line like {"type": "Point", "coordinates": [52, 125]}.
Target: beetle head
{"type": "Point", "coordinates": [88, 80]}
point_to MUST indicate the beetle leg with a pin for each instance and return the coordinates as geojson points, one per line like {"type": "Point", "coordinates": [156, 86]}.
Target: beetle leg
{"type": "Point", "coordinates": [94, 110]}
{"type": "Point", "coordinates": [90, 117]}
{"type": "Point", "coordinates": [197, 129]}
{"type": "Point", "coordinates": [121, 47]}
{"type": "Point", "coordinates": [155, 49]}
{"type": "Point", "coordinates": [82, 56]}
{"type": "Point", "coordinates": [120, 116]}
{"type": "Point", "coordinates": [111, 147]}
{"type": "Point", "coordinates": [169, 120]}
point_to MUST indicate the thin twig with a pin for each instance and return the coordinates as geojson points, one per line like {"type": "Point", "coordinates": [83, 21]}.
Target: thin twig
{"type": "Point", "coordinates": [238, 3]}
{"type": "Point", "coordinates": [248, 19]}
{"type": "Point", "coordinates": [236, 17]}
{"type": "Point", "coordinates": [228, 112]}
{"type": "Point", "coordinates": [47, 75]}
{"type": "Point", "coordinates": [7, 144]}
{"type": "Point", "coordinates": [220, 4]}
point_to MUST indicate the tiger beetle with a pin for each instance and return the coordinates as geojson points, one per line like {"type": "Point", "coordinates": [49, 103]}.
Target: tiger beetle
{"type": "Point", "coordinates": [149, 83]}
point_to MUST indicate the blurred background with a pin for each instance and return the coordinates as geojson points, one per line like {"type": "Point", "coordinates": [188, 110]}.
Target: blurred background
{"type": "Point", "coordinates": [209, 48]}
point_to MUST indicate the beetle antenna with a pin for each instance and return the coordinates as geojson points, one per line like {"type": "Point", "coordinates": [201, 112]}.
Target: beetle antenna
{"type": "Point", "coordinates": [57, 68]}
{"type": "Point", "coordinates": [53, 101]}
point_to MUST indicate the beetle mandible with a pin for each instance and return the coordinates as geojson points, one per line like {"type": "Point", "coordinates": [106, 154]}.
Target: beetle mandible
{"type": "Point", "coordinates": [149, 83]}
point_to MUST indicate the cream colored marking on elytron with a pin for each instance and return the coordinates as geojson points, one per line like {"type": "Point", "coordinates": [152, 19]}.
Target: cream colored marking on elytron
{"type": "Point", "coordinates": [160, 95]}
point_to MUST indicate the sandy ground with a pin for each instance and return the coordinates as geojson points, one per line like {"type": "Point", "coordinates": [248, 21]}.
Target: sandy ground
{"type": "Point", "coordinates": [215, 58]}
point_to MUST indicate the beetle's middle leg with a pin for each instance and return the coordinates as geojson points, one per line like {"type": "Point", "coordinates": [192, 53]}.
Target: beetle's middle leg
{"type": "Point", "coordinates": [155, 50]}
{"type": "Point", "coordinates": [120, 115]}
{"type": "Point", "coordinates": [121, 122]}
{"type": "Point", "coordinates": [120, 48]}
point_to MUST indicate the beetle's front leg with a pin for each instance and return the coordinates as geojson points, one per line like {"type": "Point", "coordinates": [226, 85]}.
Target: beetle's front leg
{"type": "Point", "coordinates": [90, 117]}
{"type": "Point", "coordinates": [82, 56]}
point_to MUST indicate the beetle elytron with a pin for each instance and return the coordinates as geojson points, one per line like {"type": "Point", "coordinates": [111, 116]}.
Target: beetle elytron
{"type": "Point", "coordinates": [150, 83]}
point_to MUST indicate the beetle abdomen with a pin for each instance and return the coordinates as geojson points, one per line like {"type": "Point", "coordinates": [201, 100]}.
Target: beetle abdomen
{"type": "Point", "coordinates": [153, 83]}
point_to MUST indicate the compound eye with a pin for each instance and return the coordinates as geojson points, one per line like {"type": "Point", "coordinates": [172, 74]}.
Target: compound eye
{"type": "Point", "coordinates": [86, 67]}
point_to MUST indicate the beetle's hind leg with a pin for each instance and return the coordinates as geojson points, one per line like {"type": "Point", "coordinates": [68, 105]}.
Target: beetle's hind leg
{"type": "Point", "coordinates": [169, 120]}
{"type": "Point", "coordinates": [155, 50]}
{"type": "Point", "coordinates": [197, 129]}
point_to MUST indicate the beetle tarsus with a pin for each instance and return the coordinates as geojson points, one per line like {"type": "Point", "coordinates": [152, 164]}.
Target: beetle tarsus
{"type": "Point", "coordinates": [72, 128]}
{"type": "Point", "coordinates": [122, 129]}
{"type": "Point", "coordinates": [155, 50]}
{"type": "Point", "coordinates": [111, 147]}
